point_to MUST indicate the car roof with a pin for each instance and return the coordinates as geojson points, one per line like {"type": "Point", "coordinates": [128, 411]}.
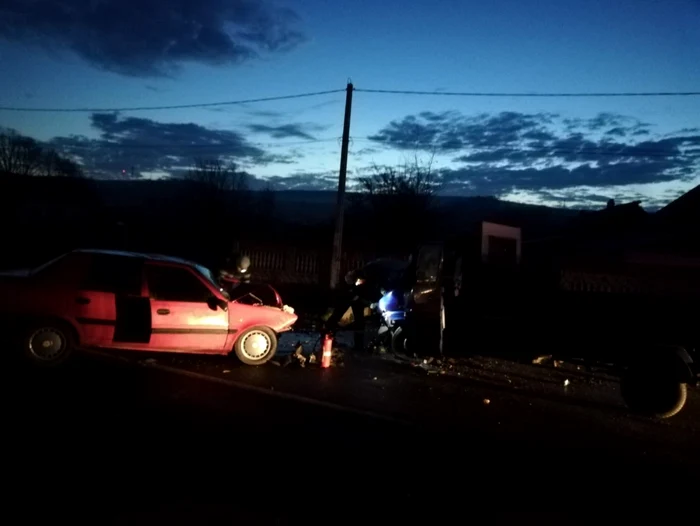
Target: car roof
{"type": "Point", "coordinates": [141, 255]}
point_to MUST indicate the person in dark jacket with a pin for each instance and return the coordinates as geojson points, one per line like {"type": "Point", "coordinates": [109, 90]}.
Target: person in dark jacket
{"type": "Point", "coordinates": [237, 268]}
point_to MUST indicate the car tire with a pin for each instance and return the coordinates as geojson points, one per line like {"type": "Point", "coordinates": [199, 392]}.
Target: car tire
{"type": "Point", "coordinates": [443, 325]}
{"type": "Point", "coordinates": [48, 344]}
{"type": "Point", "coordinates": [399, 341]}
{"type": "Point", "coordinates": [256, 345]}
{"type": "Point", "coordinates": [650, 392]}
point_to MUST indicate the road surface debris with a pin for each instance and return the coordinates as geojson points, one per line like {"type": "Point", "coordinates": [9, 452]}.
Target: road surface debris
{"type": "Point", "coordinates": [542, 359]}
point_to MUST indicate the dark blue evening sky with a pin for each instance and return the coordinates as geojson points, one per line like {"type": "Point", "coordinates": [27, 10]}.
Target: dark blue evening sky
{"type": "Point", "coordinates": [574, 151]}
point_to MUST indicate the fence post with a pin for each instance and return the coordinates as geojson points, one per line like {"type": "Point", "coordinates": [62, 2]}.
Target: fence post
{"type": "Point", "coordinates": [290, 264]}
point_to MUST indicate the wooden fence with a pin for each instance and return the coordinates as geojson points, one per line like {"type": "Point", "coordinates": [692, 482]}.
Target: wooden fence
{"type": "Point", "coordinates": [290, 265]}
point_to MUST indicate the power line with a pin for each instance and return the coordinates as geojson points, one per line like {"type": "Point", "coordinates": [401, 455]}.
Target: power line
{"type": "Point", "coordinates": [172, 107]}
{"type": "Point", "coordinates": [364, 90]}
{"type": "Point", "coordinates": [525, 94]}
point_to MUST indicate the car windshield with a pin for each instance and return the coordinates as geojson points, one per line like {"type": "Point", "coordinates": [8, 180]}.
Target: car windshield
{"type": "Point", "coordinates": [211, 278]}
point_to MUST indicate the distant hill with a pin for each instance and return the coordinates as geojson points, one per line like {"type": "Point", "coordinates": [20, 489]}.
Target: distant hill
{"type": "Point", "coordinates": [318, 207]}
{"type": "Point", "coordinates": [306, 214]}
{"type": "Point", "coordinates": [162, 216]}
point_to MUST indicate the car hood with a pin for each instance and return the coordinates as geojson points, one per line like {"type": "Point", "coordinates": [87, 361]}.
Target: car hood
{"type": "Point", "coordinates": [255, 292]}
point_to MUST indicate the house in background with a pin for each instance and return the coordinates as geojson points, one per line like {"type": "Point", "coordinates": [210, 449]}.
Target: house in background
{"type": "Point", "coordinates": [623, 248]}
{"type": "Point", "coordinates": [678, 223]}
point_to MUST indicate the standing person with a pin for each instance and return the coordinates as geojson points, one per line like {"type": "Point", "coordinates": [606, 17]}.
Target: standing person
{"type": "Point", "coordinates": [237, 268]}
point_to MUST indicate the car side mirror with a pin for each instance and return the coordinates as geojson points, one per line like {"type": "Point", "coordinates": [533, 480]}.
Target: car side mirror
{"type": "Point", "coordinates": [215, 303]}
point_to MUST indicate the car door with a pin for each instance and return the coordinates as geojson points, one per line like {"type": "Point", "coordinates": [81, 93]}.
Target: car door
{"type": "Point", "coordinates": [109, 305]}
{"type": "Point", "coordinates": [182, 317]}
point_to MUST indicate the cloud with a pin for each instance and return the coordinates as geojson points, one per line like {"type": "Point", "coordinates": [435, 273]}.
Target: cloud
{"type": "Point", "coordinates": [278, 115]}
{"type": "Point", "coordinates": [152, 146]}
{"type": "Point", "coordinates": [152, 37]}
{"type": "Point", "coordinates": [449, 131]}
{"type": "Point", "coordinates": [266, 113]}
{"type": "Point", "coordinates": [582, 198]}
{"type": "Point", "coordinates": [297, 130]}
{"type": "Point", "coordinates": [366, 151]}
{"type": "Point", "coordinates": [497, 154]}
{"type": "Point", "coordinates": [155, 89]}
{"type": "Point", "coordinates": [616, 132]}
{"type": "Point", "coordinates": [320, 181]}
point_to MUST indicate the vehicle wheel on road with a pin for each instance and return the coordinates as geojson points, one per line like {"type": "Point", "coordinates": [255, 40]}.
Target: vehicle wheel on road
{"type": "Point", "coordinates": [653, 393]}
{"type": "Point", "coordinates": [443, 325]}
{"type": "Point", "coordinates": [48, 344]}
{"type": "Point", "coordinates": [399, 340]}
{"type": "Point", "coordinates": [256, 345]}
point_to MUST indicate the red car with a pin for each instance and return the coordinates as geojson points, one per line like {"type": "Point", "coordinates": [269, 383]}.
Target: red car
{"type": "Point", "coordinates": [143, 302]}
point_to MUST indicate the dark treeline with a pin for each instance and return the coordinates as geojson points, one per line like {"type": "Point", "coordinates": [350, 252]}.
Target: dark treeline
{"type": "Point", "coordinates": [42, 216]}
{"type": "Point", "coordinates": [205, 212]}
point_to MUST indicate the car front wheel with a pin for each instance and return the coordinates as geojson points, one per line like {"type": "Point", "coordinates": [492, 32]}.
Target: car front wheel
{"type": "Point", "coordinates": [256, 346]}
{"type": "Point", "coordinates": [653, 392]}
{"type": "Point", "coordinates": [48, 344]}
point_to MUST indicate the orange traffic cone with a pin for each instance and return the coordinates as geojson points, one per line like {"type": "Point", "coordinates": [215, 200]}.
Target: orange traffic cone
{"type": "Point", "coordinates": [326, 351]}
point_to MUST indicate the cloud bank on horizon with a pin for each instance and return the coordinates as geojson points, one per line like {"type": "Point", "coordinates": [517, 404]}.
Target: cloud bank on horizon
{"type": "Point", "coordinates": [547, 156]}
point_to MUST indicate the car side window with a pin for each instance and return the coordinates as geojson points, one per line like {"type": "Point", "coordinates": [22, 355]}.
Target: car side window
{"type": "Point", "coordinates": [168, 283]}
{"type": "Point", "coordinates": [117, 274]}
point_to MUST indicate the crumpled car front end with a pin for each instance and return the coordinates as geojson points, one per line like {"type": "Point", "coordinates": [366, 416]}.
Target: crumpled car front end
{"type": "Point", "coordinates": [267, 307]}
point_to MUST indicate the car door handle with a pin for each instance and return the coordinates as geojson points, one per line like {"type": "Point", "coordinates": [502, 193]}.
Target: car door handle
{"type": "Point", "coordinates": [82, 301]}
{"type": "Point", "coordinates": [163, 312]}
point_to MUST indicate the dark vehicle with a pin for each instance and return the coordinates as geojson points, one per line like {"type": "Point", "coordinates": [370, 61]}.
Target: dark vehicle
{"type": "Point", "coordinates": [371, 286]}
{"type": "Point", "coordinates": [480, 293]}
{"type": "Point", "coordinates": [141, 302]}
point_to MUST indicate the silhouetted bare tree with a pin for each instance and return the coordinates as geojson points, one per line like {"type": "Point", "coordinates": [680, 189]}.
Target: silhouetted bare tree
{"type": "Point", "coordinates": [412, 180]}
{"type": "Point", "coordinates": [53, 164]}
{"type": "Point", "coordinates": [399, 199]}
{"type": "Point", "coordinates": [215, 175]}
{"type": "Point", "coordinates": [19, 155]}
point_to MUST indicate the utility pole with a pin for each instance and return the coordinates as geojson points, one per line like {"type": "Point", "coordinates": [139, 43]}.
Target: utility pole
{"type": "Point", "coordinates": [340, 205]}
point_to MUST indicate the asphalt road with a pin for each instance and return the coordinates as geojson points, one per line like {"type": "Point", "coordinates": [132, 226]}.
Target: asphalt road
{"type": "Point", "coordinates": [138, 438]}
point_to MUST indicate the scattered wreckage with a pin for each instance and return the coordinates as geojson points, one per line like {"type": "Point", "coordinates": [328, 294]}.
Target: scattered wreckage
{"type": "Point", "coordinates": [479, 292]}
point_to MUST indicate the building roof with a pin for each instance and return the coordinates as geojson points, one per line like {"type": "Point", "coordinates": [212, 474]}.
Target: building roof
{"type": "Point", "coordinates": [685, 208]}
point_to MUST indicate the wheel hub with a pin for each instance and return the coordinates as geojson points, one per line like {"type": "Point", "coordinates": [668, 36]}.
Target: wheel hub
{"type": "Point", "coordinates": [47, 344]}
{"type": "Point", "coordinates": [256, 345]}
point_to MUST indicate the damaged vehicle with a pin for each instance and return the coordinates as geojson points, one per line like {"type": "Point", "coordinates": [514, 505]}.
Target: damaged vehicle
{"type": "Point", "coordinates": [249, 293]}
{"type": "Point", "coordinates": [487, 291]}
{"type": "Point", "coordinates": [140, 302]}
